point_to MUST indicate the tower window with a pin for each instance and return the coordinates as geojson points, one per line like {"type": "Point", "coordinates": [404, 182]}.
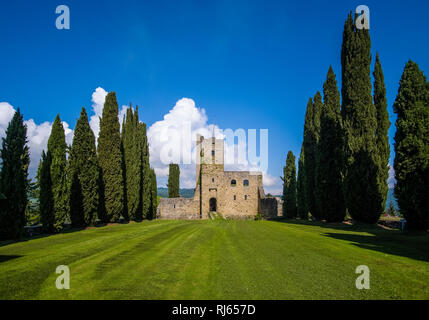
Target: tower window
{"type": "Point", "coordinates": [235, 197]}
{"type": "Point", "coordinates": [212, 179]}
{"type": "Point", "coordinates": [245, 197]}
{"type": "Point", "coordinates": [233, 183]}
{"type": "Point", "coordinates": [246, 183]}
{"type": "Point", "coordinates": [213, 152]}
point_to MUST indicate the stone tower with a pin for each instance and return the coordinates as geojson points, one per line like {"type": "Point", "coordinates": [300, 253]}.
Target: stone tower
{"type": "Point", "coordinates": [231, 194]}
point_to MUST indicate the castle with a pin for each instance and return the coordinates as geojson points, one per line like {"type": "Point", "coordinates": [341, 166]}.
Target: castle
{"type": "Point", "coordinates": [232, 194]}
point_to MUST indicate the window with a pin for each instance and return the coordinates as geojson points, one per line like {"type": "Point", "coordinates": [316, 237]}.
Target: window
{"type": "Point", "coordinates": [233, 183]}
{"type": "Point", "coordinates": [235, 197]}
{"type": "Point", "coordinates": [245, 197]}
{"type": "Point", "coordinates": [212, 179]}
{"type": "Point", "coordinates": [246, 183]}
{"type": "Point", "coordinates": [213, 153]}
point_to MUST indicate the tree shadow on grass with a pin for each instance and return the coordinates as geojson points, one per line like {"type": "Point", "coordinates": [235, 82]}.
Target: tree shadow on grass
{"type": "Point", "coordinates": [38, 236]}
{"type": "Point", "coordinates": [4, 258]}
{"type": "Point", "coordinates": [410, 244]}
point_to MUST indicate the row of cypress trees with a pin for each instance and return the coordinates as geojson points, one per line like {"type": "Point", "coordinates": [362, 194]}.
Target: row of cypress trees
{"type": "Point", "coordinates": [173, 183]}
{"type": "Point", "coordinates": [110, 183]}
{"type": "Point", "coordinates": [345, 153]}
{"type": "Point", "coordinates": [79, 182]}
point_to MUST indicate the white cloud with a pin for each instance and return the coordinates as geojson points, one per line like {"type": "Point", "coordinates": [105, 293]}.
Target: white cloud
{"type": "Point", "coordinates": [184, 115]}
{"type": "Point", "coordinates": [6, 114]}
{"type": "Point", "coordinates": [166, 138]}
{"type": "Point", "coordinates": [98, 99]}
{"type": "Point", "coordinates": [168, 143]}
{"type": "Point", "coordinates": [391, 181]}
{"type": "Point", "coordinates": [37, 135]}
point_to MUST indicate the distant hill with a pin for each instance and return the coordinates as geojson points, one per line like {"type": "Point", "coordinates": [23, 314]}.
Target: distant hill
{"type": "Point", "coordinates": [185, 193]}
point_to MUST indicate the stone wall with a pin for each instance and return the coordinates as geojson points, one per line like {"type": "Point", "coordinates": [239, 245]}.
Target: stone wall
{"type": "Point", "coordinates": [178, 209]}
{"type": "Point", "coordinates": [268, 207]}
{"type": "Point", "coordinates": [234, 194]}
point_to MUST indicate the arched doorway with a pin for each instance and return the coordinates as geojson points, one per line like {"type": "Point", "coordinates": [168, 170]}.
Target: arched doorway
{"type": "Point", "coordinates": [213, 205]}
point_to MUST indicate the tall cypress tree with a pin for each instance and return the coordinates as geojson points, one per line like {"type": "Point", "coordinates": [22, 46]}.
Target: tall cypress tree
{"type": "Point", "coordinates": [329, 170]}
{"type": "Point", "coordinates": [46, 197]}
{"type": "Point", "coordinates": [289, 187]}
{"type": "Point", "coordinates": [311, 140]}
{"type": "Point", "coordinates": [145, 171]}
{"type": "Point", "coordinates": [359, 119]}
{"type": "Point", "coordinates": [85, 175]}
{"type": "Point", "coordinates": [13, 178]}
{"type": "Point", "coordinates": [110, 160]}
{"type": "Point", "coordinates": [57, 148]}
{"type": "Point", "coordinates": [412, 147]}
{"type": "Point", "coordinates": [382, 138]}
{"type": "Point", "coordinates": [173, 181]}
{"type": "Point", "coordinates": [301, 193]}
{"type": "Point", "coordinates": [132, 153]}
{"type": "Point", "coordinates": [154, 195]}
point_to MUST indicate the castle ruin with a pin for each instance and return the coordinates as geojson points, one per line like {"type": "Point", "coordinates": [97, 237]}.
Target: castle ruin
{"type": "Point", "coordinates": [231, 194]}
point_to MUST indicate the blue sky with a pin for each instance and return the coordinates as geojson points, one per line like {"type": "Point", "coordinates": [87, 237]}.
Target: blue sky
{"type": "Point", "coordinates": [249, 64]}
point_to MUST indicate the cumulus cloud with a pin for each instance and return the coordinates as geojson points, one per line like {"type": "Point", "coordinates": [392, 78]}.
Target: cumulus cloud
{"type": "Point", "coordinates": [98, 99]}
{"type": "Point", "coordinates": [173, 140]}
{"type": "Point", "coordinates": [6, 114]}
{"type": "Point", "coordinates": [37, 134]}
{"type": "Point", "coordinates": [391, 181]}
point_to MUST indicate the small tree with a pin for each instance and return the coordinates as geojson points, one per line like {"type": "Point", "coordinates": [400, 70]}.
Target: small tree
{"type": "Point", "coordinates": [300, 188]}
{"type": "Point", "coordinates": [110, 160]}
{"type": "Point", "coordinates": [330, 155]}
{"type": "Point", "coordinates": [173, 181]}
{"type": "Point", "coordinates": [310, 146]}
{"type": "Point", "coordinates": [47, 213]}
{"type": "Point", "coordinates": [85, 175]}
{"type": "Point", "coordinates": [412, 147]}
{"type": "Point", "coordinates": [154, 195]}
{"type": "Point", "coordinates": [13, 178]}
{"type": "Point", "coordinates": [57, 150]}
{"type": "Point", "coordinates": [391, 210]}
{"type": "Point", "coordinates": [289, 187]}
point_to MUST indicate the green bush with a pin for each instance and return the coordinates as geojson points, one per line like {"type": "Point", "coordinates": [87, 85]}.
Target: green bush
{"type": "Point", "coordinates": [258, 217]}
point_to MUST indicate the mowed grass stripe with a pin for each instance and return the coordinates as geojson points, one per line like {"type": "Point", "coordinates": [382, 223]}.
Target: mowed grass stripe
{"type": "Point", "coordinates": [218, 260]}
{"type": "Point", "coordinates": [37, 260]}
{"type": "Point", "coordinates": [120, 272]}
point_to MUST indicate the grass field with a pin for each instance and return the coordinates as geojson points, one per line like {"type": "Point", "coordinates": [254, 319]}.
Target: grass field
{"type": "Point", "coordinates": [218, 260]}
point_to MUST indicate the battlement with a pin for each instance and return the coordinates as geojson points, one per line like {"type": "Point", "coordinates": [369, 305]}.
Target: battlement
{"type": "Point", "coordinates": [234, 194]}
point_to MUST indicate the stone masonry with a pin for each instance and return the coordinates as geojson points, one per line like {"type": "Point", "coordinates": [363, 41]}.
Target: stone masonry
{"type": "Point", "coordinates": [233, 194]}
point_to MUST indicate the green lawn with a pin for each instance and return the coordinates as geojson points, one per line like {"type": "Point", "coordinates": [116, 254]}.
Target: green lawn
{"type": "Point", "coordinates": [218, 260]}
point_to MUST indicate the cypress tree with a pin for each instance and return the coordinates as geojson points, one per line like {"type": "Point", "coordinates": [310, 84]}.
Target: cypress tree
{"type": "Point", "coordinates": [301, 193]}
{"type": "Point", "coordinates": [57, 149]}
{"type": "Point", "coordinates": [412, 147]}
{"type": "Point", "coordinates": [46, 197]}
{"type": "Point", "coordinates": [382, 138]}
{"type": "Point", "coordinates": [289, 187]}
{"type": "Point", "coordinates": [13, 178]}
{"type": "Point", "coordinates": [110, 160]}
{"type": "Point", "coordinates": [132, 153]}
{"type": "Point", "coordinates": [359, 119]}
{"type": "Point", "coordinates": [311, 140]}
{"type": "Point", "coordinates": [154, 195]}
{"type": "Point", "coordinates": [85, 175]}
{"type": "Point", "coordinates": [329, 170]}
{"type": "Point", "coordinates": [145, 171]}
{"type": "Point", "coordinates": [173, 181]}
